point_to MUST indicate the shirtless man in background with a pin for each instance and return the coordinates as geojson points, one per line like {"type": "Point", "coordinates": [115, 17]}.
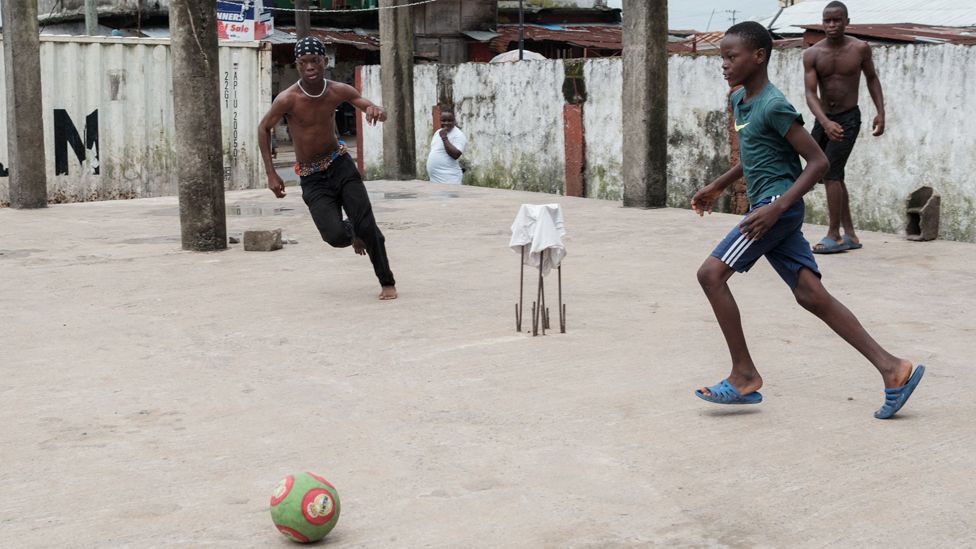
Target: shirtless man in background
{"type": "Point", "coordinates": [834, 65]}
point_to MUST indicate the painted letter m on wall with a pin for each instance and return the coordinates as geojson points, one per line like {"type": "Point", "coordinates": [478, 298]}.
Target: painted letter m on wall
{"type": "Point", "coordinates": [66, 134]}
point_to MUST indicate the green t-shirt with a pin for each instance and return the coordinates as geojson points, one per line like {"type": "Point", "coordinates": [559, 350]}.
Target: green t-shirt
{"type": "Point", "coordinates": [770, 164]}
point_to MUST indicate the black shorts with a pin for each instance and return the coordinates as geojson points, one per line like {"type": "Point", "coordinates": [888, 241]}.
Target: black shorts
{"type": "Point", "coordinates": [838, 151]}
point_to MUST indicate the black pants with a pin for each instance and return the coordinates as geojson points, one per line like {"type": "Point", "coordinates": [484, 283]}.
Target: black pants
{"type": "Point", "coordinates": [341, 188]}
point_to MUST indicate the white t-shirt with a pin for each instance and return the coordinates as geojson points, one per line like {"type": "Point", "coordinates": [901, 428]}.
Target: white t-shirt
{"type": "Point", "coordinates": [441, 168]}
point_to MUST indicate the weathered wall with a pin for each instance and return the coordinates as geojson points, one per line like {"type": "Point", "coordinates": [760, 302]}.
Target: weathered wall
{"type": "Point", "coordinates": [930, 93]}
{"type": "Point", "coordinates": [698, 140]}
{"type": "Point", "coordinates": [424, 99]}
{"type": "Point", "coordinates": [927, 90]}
{"type": "Point", "coordinates": [110, 101]}
{"type": "Point", "coordinates": [602, 126]}
{"type": "Point", "coordinates": [512, 114]}
{"type": "Point", "coordinates": [698, 147]}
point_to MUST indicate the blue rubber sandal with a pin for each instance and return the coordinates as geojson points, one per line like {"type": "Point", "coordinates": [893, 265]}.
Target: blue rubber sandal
{"type": "Point", "coordinates": [830, 246]}
{"type": "Point", "coordinates": [724, 393]}
{"type": "Point", "coordinates": [851, 245]}
{"type": "Point", "coordinates": [896, 398]}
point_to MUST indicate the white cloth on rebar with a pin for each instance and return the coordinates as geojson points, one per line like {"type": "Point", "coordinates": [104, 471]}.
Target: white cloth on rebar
{"type": "Point", "coordinates": [539, 227]}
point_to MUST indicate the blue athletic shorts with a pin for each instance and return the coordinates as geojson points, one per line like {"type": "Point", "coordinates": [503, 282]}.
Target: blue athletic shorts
{"type": "Point", "coordinates": [784, 246]}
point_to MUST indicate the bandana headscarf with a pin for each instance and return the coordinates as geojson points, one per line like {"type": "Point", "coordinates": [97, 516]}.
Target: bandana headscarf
{"type": "Point", "coordinates": [309, 45]}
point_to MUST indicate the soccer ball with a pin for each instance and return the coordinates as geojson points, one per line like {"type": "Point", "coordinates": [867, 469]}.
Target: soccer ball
{"type": "Point", "coordinates": [305, 507]}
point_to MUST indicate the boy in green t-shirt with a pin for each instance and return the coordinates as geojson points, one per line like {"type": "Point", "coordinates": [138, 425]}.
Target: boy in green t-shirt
{"type": "Point", "coordinates": [771, 140]}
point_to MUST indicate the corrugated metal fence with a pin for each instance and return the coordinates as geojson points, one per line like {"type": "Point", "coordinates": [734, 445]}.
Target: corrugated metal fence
{"type": "Point", "coordinates": [108, 116]}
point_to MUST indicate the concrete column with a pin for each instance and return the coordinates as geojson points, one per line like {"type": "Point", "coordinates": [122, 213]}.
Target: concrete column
{"type": "Point", "coordinates": [645, 103]}
{"type": "Point", "coordinates": [91, 18]}
{"type": "Point", "coordinates": [25, 124]}
{"type": "Point", "coordinates": [396, 75]}
{"type": "Point", "coordinates": [196, 109]}
{"type": "Point", "coordinates": [303, 19]}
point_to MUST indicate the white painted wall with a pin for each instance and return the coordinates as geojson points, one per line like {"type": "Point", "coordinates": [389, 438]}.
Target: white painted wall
{"type": "Point", "coordinates": [128, 81]}
{"type": "Point", "coordinates": [698, 139]}
{"type": "Point", "coordinates": [698, 144]}
{"type": "Point", "coordinates": [511, 114]}
{"type": "Point", "coordinates": [928, 91]}
{"type": "Point", "coordinates": [930, 95]}
{"type": "Point", "coordinates": [603, 125]}
{"type": "Point", "coordinates": [513, 111]}
{"type": "Point", "coordinates": [424, 99]}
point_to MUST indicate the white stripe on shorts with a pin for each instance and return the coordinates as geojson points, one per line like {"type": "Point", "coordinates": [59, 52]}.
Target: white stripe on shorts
{"type": "Point", "coordinates": [738, 255]}
{"type": "Point", "coordinates": [735, 250]}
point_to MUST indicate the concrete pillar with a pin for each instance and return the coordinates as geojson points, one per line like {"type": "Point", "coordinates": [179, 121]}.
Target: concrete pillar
{"type": "Point", "coordinates": [196, 109]}
{"type": "Point", "coordinates": [396, 75]}
{"type": "Point", "coordinates": [303, 19]}
{"type": "Point", "coordinates": [25, 125]}
{"type": "Point", "coordinates": [645, 103]}
{"type": "Point", "coordinates": [91, 18]}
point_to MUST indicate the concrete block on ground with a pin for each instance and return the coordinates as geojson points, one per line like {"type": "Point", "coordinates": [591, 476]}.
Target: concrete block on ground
{"type": "Point", "coordinates": [262, 241]}
{"type": "Point", "coordinates": [924, 212]}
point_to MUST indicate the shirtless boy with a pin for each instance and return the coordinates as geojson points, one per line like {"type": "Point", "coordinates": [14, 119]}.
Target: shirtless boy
{"type": "Point", "coordinates": [330, 180]}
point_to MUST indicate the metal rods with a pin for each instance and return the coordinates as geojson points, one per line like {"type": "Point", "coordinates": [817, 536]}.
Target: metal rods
{"type": "Point", "coordinates": [540, 313]}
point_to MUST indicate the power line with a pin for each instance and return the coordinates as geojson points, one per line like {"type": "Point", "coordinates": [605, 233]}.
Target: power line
{"type": "Point", "coordinates": [245, 4]}
{"type": "Point", "coordinates": [690, 16]}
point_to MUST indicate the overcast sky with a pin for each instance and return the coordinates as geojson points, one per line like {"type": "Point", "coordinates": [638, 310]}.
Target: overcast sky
{"type": "Point", "coordinates": [694, 14]}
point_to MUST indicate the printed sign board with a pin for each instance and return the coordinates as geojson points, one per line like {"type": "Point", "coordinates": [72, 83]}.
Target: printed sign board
{"type": "Point", "coordinates": [243, 20]}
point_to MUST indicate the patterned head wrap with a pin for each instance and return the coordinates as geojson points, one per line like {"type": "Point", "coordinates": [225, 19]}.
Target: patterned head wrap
{"type": "Point", "coordinates": [309, 45]}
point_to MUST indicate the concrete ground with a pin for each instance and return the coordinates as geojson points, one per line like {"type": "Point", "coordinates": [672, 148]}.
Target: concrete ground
{"type": "Point", "coordinates": [152, 397]}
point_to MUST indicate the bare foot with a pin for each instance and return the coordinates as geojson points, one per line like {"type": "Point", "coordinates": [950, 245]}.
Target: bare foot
{"type": "Point", "coordinates": [742, 384]}
{"type": "Point", "coordinates": [898, 376]}
{"type": "Point", "coordinates": [388, 292]}
{"type": "Point", "coordinates": [359, 247]}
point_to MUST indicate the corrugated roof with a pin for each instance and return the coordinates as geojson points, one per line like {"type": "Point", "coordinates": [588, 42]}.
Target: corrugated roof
{"type": "Point", "coordinates": [608, 37]}
{"type": "Point", "coordinates": [280, 37]}
{"type": "Point", "coordinates": [362, 39]}
{"type": "Point", "coordinates": [709, 42]}
{"type": "Point", "coordinates": [944, 13]}
{"type": "Point", "coordinates": [539, 5]}
{"type": "Point", "coordinates": [910, 33]}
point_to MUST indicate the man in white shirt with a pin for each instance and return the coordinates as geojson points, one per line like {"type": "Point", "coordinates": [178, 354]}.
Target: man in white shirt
{"type": "Point", "coordinates": [445, 149]}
